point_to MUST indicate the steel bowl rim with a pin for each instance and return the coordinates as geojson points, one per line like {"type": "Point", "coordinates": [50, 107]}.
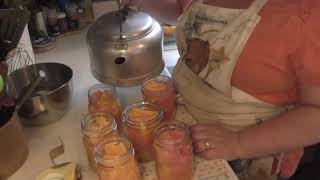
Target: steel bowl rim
{"type": "Point", "coordinates": [60, 87]}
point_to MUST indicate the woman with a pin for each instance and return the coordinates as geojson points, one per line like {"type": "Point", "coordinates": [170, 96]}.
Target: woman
{"type": "Point", "coordinates": [254, 65]}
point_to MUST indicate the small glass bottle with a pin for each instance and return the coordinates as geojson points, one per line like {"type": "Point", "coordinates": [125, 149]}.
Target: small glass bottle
{"type": "Point", "coordinates": [82, 20]}
{"type": "Point", "coordinates": [103, 98]}
{"type": "Point", "coordinates": [141, 119]}
{"type": "Point", "coordinates": [115, 160]}
{"type": "Point", "coordinates": [73, 16]}
{"type": "Point", "coordinates": [173, 152]}
{"type": "Point", "coordinates": [62, 22]}
{"type": "Point", "coordinates": [89, 10]}
{"type": "Point", "coordinates": [160, 90]}
{"type": "Point", "coordinates": [96, 128]}
{"type": "Point", "coordinates": [52, 19]}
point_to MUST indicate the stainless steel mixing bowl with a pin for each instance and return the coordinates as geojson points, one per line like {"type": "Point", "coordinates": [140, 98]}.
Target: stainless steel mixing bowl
{"type": "Point", "coordinates": [51, 99]}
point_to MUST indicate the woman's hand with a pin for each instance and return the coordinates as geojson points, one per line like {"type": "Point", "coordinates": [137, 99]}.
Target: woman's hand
{"type": "Point", "coordinates": [215, 142]}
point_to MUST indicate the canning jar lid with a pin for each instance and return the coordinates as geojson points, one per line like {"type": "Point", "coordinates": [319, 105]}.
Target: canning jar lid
{"type": "Point", "coordinates": [107, 27]}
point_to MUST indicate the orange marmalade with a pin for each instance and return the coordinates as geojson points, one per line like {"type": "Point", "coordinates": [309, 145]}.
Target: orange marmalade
{"type": "Point", "coordinates": [103, 98]}
{"type": "Point", "coordinates": [95, 128]}
{"type": "Point", "coordinates": [115, 160]}
{"type": "Point", "coordinates": [140, 120]}
{"type": "Point", "coordinates": [160, 91]}
{"type": "Point", "coordinates": [173, 152]}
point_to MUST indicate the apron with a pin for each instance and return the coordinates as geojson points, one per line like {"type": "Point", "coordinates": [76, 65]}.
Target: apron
{"type": "Point", "coordinates": [208, 95]}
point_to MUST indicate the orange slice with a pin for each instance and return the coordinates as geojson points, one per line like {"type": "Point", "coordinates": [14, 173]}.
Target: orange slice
{"type": "Point", "coordinates": [155, 86]}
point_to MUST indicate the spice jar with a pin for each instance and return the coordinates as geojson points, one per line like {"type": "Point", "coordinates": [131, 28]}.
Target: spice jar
{"type": "Point", "coordinates": [62, 22]}
{"type": "Point", "coordinates": [160, 91]}
{"type": "Point", "coordinates": [103, 98]}
{"type": "Point", "coordinates": [89, 10]}
{"type": "Point", "coordinates": [140, 120]}
{"type": "Point", "coordinates": [73, 17]}
{"type": "Point", "coordinates": [95, 128]}
{"type": "Point", "coordinates": [115, 160]}
{"type": "Point", "coordinates": [82, 18]}
{"type": "Point", "coordinates": [173, 152]}
{"type": "Point", "coordinates": [52, 19]}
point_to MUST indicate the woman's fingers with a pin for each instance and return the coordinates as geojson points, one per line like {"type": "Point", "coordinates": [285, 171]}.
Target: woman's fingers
{"type": "Point", "coordinates": [214, 142]}
{"type": "Point", "coordinates": [196, 136]}
{"type": "Point", "coordinates": [199, 128]}
{"type": "Point", "coordinates": [212, 154]}
{"type": "Point", "coordinates": [199, 146]}
{"type": "Point", "coordinates": [204, 131]}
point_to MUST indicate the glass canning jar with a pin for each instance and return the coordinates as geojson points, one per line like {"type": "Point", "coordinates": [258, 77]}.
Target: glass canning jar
{"type": "Point", "coordinates": [95, 128]}
{"type": "Point", "coordinates": [160, 91]}
{"type": "Point", "coordinates": [115, 160]}
{"type": "Point", "coordinates": [173, 152]}
{"type": "Point", "coordinates": [103, 98]}
{"type": "Point", "coordinates": [140, 120]}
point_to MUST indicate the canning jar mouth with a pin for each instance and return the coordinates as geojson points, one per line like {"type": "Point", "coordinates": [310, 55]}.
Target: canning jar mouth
{"type": "Point", "coordinates": [90, 118]}
{"type": "Point", "coordinates": [159, 78]}
{"type": "Point", "coordinates": [114, 160]}
{"type": "Point", "coordinates": [146, 123]}
{"type": "Point", "coordinates": [101, 87]}
{"type": "Point", "coordinates": [173, 126]}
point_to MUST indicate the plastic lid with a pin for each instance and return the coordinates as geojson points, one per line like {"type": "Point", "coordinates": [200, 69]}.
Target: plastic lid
{"type": "Point", "coordinates": [107, 27]}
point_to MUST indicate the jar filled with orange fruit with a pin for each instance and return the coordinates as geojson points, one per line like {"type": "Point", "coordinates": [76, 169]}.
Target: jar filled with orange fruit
{"type": "Point", "coordinates": [173, 152]}
{"type": "Point", "coordinates": [96, 128]}
{"type": "Point", "coordinates": [141, 119]}
{"type": "Point", "coordinates": [103, 98]}
{"type": "Point", "coordinates": [160, 91]}
{"type": "Point", "coordinates": [115, 160]}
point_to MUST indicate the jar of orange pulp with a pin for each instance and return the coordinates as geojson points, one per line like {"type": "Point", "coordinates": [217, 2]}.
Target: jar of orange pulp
{"type": "Point", "coordinates": [115, 160]}
{"type": "Point", "coordinates": [173, 152]}
{"type": "Point", "coordinates": [141, 119]}
{"type": "Point", "coordinates": [160, 91]}
{"type": "Point", "coordinates": [103, 98]}
{"type": "Point", "coordinates": [95, 128]}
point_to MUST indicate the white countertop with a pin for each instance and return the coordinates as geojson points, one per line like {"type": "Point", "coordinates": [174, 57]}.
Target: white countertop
{"type": "Point", "coordinates": [71, 51]}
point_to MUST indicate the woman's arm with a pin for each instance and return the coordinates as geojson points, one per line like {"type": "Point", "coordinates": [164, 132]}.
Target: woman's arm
{"type": "Point", "coordinates": [297, 128]}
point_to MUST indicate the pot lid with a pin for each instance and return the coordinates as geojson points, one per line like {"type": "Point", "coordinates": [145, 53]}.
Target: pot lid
{"type": "Point", "coordinates": [134, 24]}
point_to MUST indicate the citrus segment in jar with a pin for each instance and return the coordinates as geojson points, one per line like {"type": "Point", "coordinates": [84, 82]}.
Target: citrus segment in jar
{"type": "Point", "coordinates": [105, 101]}
{"type": "Point", "coordinates": [173, 153]}
{"type": "Point", "coordinates": [141, 119]}
{"type": "Point", "coordinates": [98, 124]}
{"type": "Point", "coordinates": [160, 91]}
{"type": "Point", "coordinates": [142, 114]}
{"type": "Point", "coordinates": [154, 85]}
{"type": "Point", "coordinates": [117, 163]}
{"type": "Point", "coordinates": [95, 128]}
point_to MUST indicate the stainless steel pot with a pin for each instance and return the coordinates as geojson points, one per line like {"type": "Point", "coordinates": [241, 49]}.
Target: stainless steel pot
{"type": "Point", "coordinates": [52, 97]}
{"type": "Point", "coordinates": [129, 57]}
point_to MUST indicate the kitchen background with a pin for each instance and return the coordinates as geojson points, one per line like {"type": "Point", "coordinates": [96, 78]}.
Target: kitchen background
{"type": "Point", "coordinates": [56, 32]}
